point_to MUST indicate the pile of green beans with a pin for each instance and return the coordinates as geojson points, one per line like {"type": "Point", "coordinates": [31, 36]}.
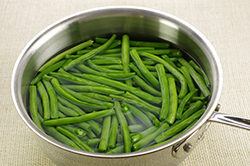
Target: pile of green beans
{"type": "Point", "coordinates": [118, 95]}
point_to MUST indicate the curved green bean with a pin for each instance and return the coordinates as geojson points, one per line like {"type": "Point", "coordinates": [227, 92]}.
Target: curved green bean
{"type": "Point", "coordinates": [47, 70]}
{"type": "Point", "coordinates": [33, 107]}
{"type": "Point", "coordinates": [175, 72]}
{"type": "Point", "coordinates": [78, 119]}
{"type": "Point", "coordinates": [197, 78]}
{"type": "Point", "coordinates": [103, 144]}
{"type": "Point", "coordinates": [122, 86]}
{"type": "Point", "coordinates": [124, 127]}
{"type": "Point", "coordinates": [75, 139]}
{"type": "Point", "coordinates": [179, 127]}
{"type": "Point", "coordinates": [183, 103]}
{"type": "Point", "coordinates": [199, 70]}
{"type": "Point", "coordinates": [89, 54]}
{"type": "Point", "coordinates": [143, 69]}
{"type": "Point", "coordinates": [164, 92]}
{"type": "Point", "coordinates": [53, 100]}
{"type": "Point", "coordinates": [126, 57]}
{"type": "Point", "coordinates": [62, 55]}
{"type": "Point", "coordinates": [45, 100]}
{"type": "Point", "coordinates": [173, 101]}
{"type": "Point", "coordinates": [137, 137]}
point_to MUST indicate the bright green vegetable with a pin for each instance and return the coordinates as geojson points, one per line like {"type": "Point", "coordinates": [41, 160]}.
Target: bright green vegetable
{"type": "Point", "coordinates": [78, 119]}
{"type": "Point", "coordinates": [45, 100]}
{"type": "Point", "coordinates": [171, 69]}
{"type": "Point", "coordinates": [179, 127]}
{"type": "Point", "coordinates": [124, 127]}
{"type": "Point", "coordinates": [199, 70]}
{"type": "Point", "coordinates": [113, 133]}
{"type": "Point", "coordinates": [173, 101]}
{"type": "Point", "coordinates": [53, 100]}
{"type": "Point", "coordinates": [143, 134]}
{"type": "Point", "coordinates": [89, 54]}
{"type": "Point", "coordinates": [197, 78]}
{"type": "Point", "coordinates": [33, 107]}
{"type": "Point", "coordinates": [183, 103]}
{"type": "Point", "coordinates": [62, 55]}
{"type": "Point", "coordinates": [143, 69]}
{"type": "Point", "coordinates": [126, 57]}
{"type": "Point", "coordinates": [122, 86]}
{"type": "Point", "coordinates": [74, 138]}
{"type": "Point", "coordinates": [103, 145]}
{"type": "Point", "coordinates": [164, 92]}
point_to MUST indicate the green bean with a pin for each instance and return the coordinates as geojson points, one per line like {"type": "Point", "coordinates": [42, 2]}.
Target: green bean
{"type": "Point", "coordinates": [175, 136]}
{"type": "Point", "coordinates": [179, 127]}
{"type": "Point", "coordinates": [93, 142]}
{"type": "Point", "coordinates": [72, 78]}
{"type": "Point", "coordinates": [91, 134]}
{"type": "Point", "coordinates": [149, 44]}
{"type": "Point", "coordinates": [126, 57]}
{"type": "Point", "coordinates": [134, 97]}
{"type": "Point", "coordinates": [86, 98]}
{"type": "Point", "coordinates": [167, 59]}
{"type": "Point", "coordinates": [151, 68]}
{"type": "Point", "coordinates": [53, 100]}
{"type": "Point", "coordinates": [183, 103]}
{"type": "Point", "coordinates": [152, 117]}
{"type": "Point", "coordinates": [62, 55]}
{"type": "Point", "coordinates": [118, 149]}
{"type": "Point", "coordinates": [74, 70]}
{"type": "Point", "coordinates": [101, 69]}
{"type": "Point", "coordinates": [46, 71]}
{"type": "Point", "coordinates": [89, 54]}
{"type": "Point", "coordinates": [137, 137]}
{"type": "Point", "coordinates": [145, 86]}
{"type": "Point", "coordinates": [124, 127]}
{"type": "Point", "coordinates": [60, 137]}
{"type": "Point", "coordinates": [73, 107]}
{"type": "Point", "coordinates": [150, 137]}
{"type": "Point", "coordinates": [74, 138]}
{"type": "Point", "coordinates": [113, 133]}
{"type": "Point", "coordinates": [78, 119]}
{"type": "Point", "coordinates": [116, 76]}
{"type": "Point", "coordinates": [164, 92]}
{"type": "Point", "coordinates": [45, 100]}
{"type": "Point", "coordinates": [101, 56]}
{"type": "Point", "coordinates": [143, 69]}
{"type": "Point", "coordinates": [136, 128]}
{"type": "Point", "coordinates": [97, 96]}
{"type": "Point", "coordinates": [142, 48]}
{"type": "Point", "coordinates": [137, 71]}
{"type": "Point", "coordinates": [193, 108]}
{"type": "Point", "coordinates": [173, 101]}
{"type": "Point", "coordinates": [95, 89]}
{"type": "Point", "coordinates": [138, 114]}
{"type": "Point", "coordinates": [39, 105]}
{"type": "Point", "coordinates": [67, 111]}
{"type": "Point", "coordinates": [33, 107]}
{"type": "Point", "coordinates": [199, 70]}
{"type": "Point", "coordinates": [70, 105]}
{"type": "Point", "coordinates": [103, 145]}
{"type": "Point", "coordinates": [84, 125]}
{"type": "Point", "coordinates": [76, 130]}
{"type": "Point", "coordinates": [172, 70]}
{"type": "Point", "coordinates": [122, 86]}
{"type": "Point", "coordinates": [116, 67]}
{"type": "Point", "coordinates": [59, 89]}
{"type": "Point", "coordinates": [128, 115]}
{"type": "Point", "coordinates": [115, 44]}
{"type": "Point", "coordinates": [107, 61]}
{"type": "Point", "coordinates": [148, 107]}
{"type": "Point", "coordinates": [189, 80]}
{"type": "Point", "coordinates": [197, 78]}
{"type": "Point", "coordinates": [157, 51]}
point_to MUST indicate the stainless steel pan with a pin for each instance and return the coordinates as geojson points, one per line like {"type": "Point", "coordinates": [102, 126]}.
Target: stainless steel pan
{"type": "Point", "coordinates": [86, 24]}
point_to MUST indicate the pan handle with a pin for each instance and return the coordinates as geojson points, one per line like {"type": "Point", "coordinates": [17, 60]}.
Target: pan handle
{"type": "Point", "coordinates": [231, 120]}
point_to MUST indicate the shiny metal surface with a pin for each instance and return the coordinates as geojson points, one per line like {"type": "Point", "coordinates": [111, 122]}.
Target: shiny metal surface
{"type": "Point", "coordinates": [231, 120]}
{"type": "Point", "coordinates": [82, 26]}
